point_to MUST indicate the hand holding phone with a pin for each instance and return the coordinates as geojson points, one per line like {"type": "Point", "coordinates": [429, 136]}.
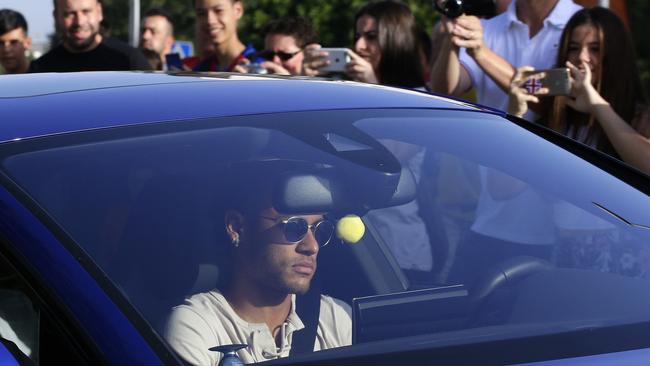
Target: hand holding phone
{"type": "Point", "coordinates": [338, 60]}
{"type": "Point", "coordinates": [552, 81]}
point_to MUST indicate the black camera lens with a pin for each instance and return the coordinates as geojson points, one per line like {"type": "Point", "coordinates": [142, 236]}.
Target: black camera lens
{"type": "Point", "coordinates": [450, 8]}
{"type": "Point", "coordinates": [456, 8]}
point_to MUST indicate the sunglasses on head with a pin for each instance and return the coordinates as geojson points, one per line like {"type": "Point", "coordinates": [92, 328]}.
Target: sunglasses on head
{"type": "Point", "coordinates": [295, 229]}
{"type": "Point", "coordinates": [284, 56]}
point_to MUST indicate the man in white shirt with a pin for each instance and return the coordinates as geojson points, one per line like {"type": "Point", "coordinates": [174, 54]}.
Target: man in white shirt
{"type": "Point", "coordinates": [485, 53]}
{"type": "Point", "coordinates": [273, 258]}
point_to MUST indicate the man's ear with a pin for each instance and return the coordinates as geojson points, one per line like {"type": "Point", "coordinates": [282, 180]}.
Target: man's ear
{"type": "Point", "coordinates": [27, 43]}
{"type": "Point", "coordinates": [100, 9]}
{"type": "Point", "coordinates": [238, 7]}
{"type": "Point", "coordinates": [234, 226]}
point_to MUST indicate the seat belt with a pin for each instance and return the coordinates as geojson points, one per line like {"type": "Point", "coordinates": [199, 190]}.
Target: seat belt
{"type": "Point", "coordinates": [308, 310]}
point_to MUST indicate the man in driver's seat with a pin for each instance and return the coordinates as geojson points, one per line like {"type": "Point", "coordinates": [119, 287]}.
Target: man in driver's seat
{"type": "Point", "coordinates": [273, 258]}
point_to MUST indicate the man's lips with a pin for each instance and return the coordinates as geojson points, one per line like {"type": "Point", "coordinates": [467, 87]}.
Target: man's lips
{"type": "Point", "coordinates": [304, 267]}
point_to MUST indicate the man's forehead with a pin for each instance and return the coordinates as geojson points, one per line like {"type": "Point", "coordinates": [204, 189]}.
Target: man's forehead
{"type": "Point", "coordinates": [67, 5]}
{"type": "Point", "coordinates": [16, 33]}
{"type": "Point", "coordinates": [207, 4]}
{"type": "Point", "coordinates": [280, 40]}
{"type": "Point", "coordinates": [154, 21]}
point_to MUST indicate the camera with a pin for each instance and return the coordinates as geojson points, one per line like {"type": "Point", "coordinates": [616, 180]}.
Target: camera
{"type": "Point", "coordinates": [256, 68]}
{"type": "Point", "coordinates": [456, 8]}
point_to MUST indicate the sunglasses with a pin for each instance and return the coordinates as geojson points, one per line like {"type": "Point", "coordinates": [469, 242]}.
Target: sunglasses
{"type": "Point", "coordinates": [284, 56]}
{"type": "Point", "coordinates": [295, 229]}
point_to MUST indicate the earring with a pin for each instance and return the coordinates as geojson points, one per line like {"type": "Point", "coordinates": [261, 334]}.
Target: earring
{"type": "Point", "coordinates": [235, 241]}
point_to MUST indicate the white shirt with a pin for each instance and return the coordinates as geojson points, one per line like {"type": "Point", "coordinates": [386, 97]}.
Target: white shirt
{"type": "Point", "coordinates": [207, 320]}
{"type": "Point", "coordinates": [525, 218]}
{"type": "Point", "coordinates": [509, 38]}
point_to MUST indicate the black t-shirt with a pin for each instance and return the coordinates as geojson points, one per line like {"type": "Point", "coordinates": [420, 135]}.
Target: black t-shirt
{"type": "Point", "coordinates": [110, 55]}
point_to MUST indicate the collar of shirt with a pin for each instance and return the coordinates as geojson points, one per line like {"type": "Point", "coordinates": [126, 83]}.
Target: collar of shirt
{"type": "Point", "coordinates": [262, 342]}
{"type": "Point", "coordinates": [558, 17]}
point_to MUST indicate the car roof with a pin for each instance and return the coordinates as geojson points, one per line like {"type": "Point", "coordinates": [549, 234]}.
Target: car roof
{"type": "Point", "coordinates": [43, 104]}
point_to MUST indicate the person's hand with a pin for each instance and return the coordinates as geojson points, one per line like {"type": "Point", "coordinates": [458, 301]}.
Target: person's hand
{"type": "Point", "coordinates": [242, 66]}
{"type": "Point", "coordinates": [274, 68]}
{"type": "Point", "coordinates": [466, 31]}
{"type": "Point", "coordinates": [314, 60]}
{"type": "Point", "coordinates": [360, 69]}
{"type": "Point", "coordinates": [518, 94]}
{"type": "Point", "coordinates": [584, 97]}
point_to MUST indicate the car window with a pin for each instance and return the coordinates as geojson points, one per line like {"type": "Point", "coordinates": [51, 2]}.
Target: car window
{"type": "Point", "coordinates": [29, 329]}
{"type": "Point", "coordinates": [504, 228]}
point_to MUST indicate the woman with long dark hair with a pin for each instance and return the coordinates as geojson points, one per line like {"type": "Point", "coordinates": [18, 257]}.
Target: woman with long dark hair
{"type": "Point", "coordinates": [606, 108]}
{"type": "Point", "coordinates": [386, 50]}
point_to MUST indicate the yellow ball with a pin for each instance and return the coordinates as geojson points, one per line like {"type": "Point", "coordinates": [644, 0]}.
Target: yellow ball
{"type": "Point", "coordinates": [350, 229]}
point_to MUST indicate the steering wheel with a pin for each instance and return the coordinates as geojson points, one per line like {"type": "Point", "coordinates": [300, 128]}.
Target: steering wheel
{"type": "Point", "coordinates": [504, 273]}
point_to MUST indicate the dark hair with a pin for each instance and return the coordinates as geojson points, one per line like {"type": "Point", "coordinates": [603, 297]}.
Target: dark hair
{"type": "Point", "coordinates": [158, 12]}
{"type": "Point", "coordinates": [618, 77]}
{"type": "Point", "coordinates": [399, 64]}
{"type": "Point", "coordinates": [56, 3]}
{"type": "Point", "coordinates": [10, 20]}
{"type": "Point", "coordinates": [296, 27]}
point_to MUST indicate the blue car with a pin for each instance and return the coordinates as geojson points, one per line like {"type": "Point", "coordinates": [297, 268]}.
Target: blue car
{"type": "Point", "coordinates": [459, 235]}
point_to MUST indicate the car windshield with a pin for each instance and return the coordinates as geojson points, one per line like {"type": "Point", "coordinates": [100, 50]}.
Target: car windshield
{"type": "Point", "coordinates": [501, 229]}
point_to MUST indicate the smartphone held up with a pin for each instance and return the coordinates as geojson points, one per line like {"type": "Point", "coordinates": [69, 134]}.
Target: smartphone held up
{"type": "Point", "coordinates": [338, 60]}
{"type": "Point", "coordinates": [555, 81]}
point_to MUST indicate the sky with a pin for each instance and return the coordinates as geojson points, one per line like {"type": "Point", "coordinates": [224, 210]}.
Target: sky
{"type": "Point", "coordinates": [38, 14]}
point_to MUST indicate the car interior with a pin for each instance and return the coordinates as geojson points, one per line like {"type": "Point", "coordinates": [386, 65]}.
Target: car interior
{"type": "Point", "coordinates": [157, 231]}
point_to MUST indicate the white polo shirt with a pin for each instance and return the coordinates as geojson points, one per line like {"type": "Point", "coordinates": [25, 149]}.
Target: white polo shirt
{"type": "Point", "coordinates": [207, 320]}
{"type": "Point", "coordinates": [509, 38]}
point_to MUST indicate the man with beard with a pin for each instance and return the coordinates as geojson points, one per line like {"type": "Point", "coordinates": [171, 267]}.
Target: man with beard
{"type": "Point", "coordinates": [83, 47]}
{"type": "Point", "coordinates": [272, 258]}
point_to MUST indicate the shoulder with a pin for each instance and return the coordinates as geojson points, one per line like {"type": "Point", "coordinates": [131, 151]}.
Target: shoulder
{"type": "Point", "coordinates": [53, 54]}
{"type": "Point", "coordinates": [337, 308]}
{"type": "Point", "coordinates": [195, 320]}
{"type": "Point", "coordinates": [334, 323]}
{"type": "Point", "coordinates": [202, 308]}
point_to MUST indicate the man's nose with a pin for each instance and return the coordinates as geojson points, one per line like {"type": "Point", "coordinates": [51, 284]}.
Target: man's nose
{"type": "Point", "coordinates": [277, 60]}
{"type": "Point", "coordinates": [212, 17]}
{"type": "Point", "coordinates": [77, 18]}
{"type": "Point", "coordinates": [308, 245]}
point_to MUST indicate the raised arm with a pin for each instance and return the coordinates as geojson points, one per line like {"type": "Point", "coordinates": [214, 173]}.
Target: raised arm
{"type": "Point", "coordinates": [633, 147]}
{"type": "Point", "coordinates": [449, 76]}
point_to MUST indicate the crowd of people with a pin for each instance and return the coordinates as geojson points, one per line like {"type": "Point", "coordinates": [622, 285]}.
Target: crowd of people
{"type": "Point", "coordinates": [495, 57]}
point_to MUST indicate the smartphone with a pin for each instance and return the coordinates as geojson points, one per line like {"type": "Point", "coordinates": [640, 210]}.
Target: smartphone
{"type": "Point", "coordinates": [174, 62]}
{"type": "Point", "coordinates": [338, 58]}
{"type": "Point", "coordinates": [557, 82]}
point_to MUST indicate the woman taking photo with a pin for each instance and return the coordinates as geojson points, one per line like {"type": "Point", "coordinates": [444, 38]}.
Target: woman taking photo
{"type": "Point", "coordinates": [386, 50]}
{"type": "Point", "coordinates": [606, 108]}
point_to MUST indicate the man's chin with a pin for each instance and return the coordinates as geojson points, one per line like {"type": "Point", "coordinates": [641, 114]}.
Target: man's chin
{"type": "Point", "coordinates": [81, 45]}
{"type": "Point", "coordinates": [298, 287]}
